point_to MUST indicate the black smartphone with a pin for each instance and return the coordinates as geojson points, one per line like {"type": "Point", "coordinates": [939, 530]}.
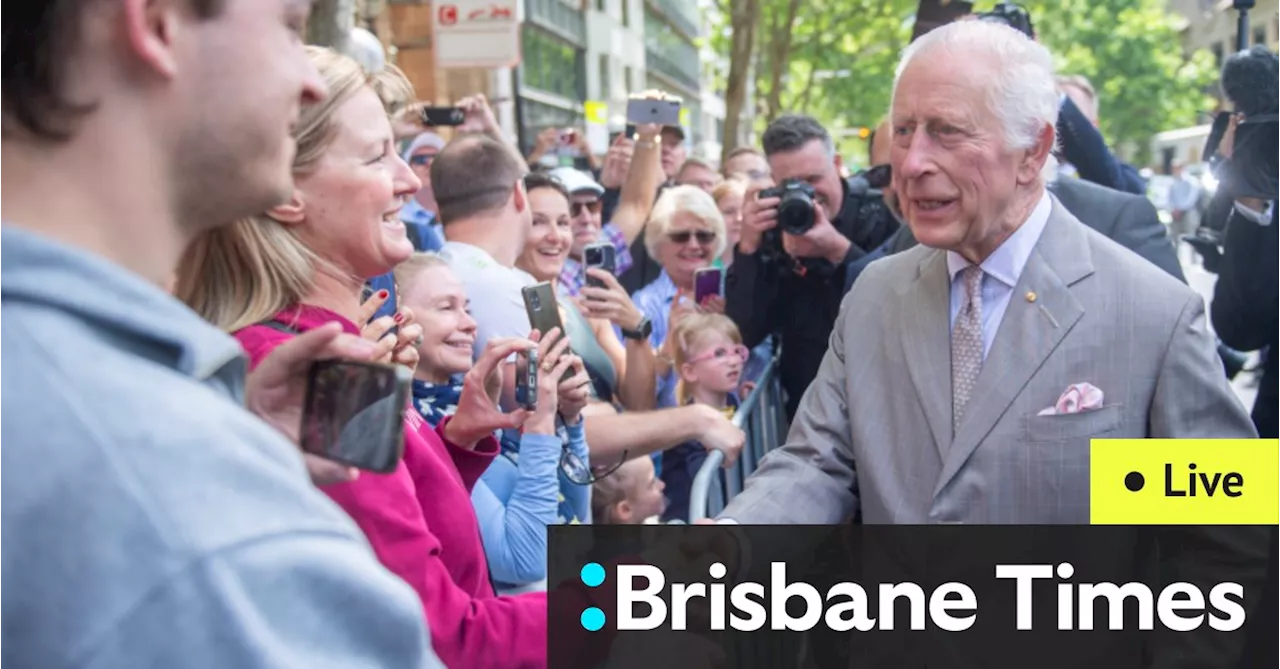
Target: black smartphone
{"type": "Point", "coordinates": [527, 379]}
{"type": "Point", "coordinates": [441, 116]}
{"type": "Point", "coordinates": [544, 312]}
{"type": "Point", "coordinates": [354, 413]}
{"type": "Point", "coordinates": [600, 256]}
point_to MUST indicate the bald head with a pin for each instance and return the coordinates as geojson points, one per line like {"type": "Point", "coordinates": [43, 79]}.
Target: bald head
{"type": "Point", "coordinates": [474, 174]}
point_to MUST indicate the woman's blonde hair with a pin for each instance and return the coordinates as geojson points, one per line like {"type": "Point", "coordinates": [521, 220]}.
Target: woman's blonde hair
{"type": "Point", "coordinates": [686, 200]}
{"type": "Point", "coordinates": [686, 335]}
{"type": "Point", "coordinates": [408, 271]}
{"type": "Point", "coordinates": [249, 271]}
{"type": "Point", "coordinates": [735, 185]}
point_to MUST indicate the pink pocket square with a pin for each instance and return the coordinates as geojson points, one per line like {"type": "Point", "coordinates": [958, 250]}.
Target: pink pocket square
{"type": "Point", "coordinates": [1077, 398]}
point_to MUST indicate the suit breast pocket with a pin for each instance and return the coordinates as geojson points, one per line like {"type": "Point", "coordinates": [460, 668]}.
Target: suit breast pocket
{"type": "Point", "coordinates": [1085, 425]}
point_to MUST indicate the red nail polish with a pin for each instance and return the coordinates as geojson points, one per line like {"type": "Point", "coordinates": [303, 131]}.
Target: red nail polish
{"type": "Point", "coordinates": [399, 317]}
{"type": "Point", "coordinates": [382, 294]}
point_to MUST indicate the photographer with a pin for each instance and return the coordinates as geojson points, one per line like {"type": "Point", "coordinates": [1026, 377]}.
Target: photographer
{"type": "Point", "coordinates": [792, 263]}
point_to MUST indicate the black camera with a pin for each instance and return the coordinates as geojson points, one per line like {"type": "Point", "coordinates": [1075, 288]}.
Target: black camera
{"type": "Point", "coordinates": [795, 208]}
{"type": "Point", "coordinates": [1013, 15]}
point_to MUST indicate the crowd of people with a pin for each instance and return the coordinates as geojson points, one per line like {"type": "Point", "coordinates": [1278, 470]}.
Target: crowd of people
{"type": "Point", "coordinates": [277, 203]}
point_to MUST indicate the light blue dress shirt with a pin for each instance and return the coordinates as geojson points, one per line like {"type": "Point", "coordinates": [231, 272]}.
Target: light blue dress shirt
{"type": "Point", "coordinates": [1000, 272]}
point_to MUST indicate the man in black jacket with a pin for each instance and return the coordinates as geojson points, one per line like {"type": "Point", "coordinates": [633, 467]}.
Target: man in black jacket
{"type": "Point", "coordinates": [797, 295]}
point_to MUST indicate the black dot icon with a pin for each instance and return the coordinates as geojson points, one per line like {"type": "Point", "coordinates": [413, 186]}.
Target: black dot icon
{"type": "Point", "coordinates": [1134, 481]}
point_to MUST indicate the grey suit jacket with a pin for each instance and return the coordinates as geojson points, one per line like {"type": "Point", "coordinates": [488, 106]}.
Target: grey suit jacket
{"type": "Point", "coordinates": [874, 429]}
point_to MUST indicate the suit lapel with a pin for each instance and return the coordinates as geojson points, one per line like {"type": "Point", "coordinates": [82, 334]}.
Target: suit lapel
{"type": "Point", "coordinates": [1028, 333]}
{"type": "Point", "coordinates": [926, 339]}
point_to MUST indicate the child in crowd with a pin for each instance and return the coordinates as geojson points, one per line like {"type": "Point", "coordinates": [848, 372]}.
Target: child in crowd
{"type": "Point", "coordinates": [708, 356]}
{"type": "Point", "coordinates": [629, 496]}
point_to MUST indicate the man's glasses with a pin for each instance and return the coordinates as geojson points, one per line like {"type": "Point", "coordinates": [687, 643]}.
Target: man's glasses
{"type": "Point", "coordinates": [722, 352]}
{"type": "Point", "coordinates": [580, 473]}
{"type": "Point", "coordinates": [683, 236]}
{"type": "Point", "coordinates": [575, 208]}
{"type": "Point", "coordinates": [421, 159]}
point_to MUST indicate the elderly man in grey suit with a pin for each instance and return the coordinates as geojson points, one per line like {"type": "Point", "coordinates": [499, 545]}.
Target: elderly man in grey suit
{"type": "Point", "coordinates": [966, 376]}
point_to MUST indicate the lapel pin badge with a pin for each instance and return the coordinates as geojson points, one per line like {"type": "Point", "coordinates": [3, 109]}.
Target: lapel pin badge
{"type": "Point", "coordinates": [1031, 296]}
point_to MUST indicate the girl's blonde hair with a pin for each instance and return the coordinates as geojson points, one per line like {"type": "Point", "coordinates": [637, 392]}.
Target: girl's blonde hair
{"type": "Point", "coordinates": [735, 185]}
{"type": "Point", "coordinates": [687, 334]}
{"type": "Point", "coordinates": [683, 200]}
{"type": "Point", "coordinates": [249, 271]}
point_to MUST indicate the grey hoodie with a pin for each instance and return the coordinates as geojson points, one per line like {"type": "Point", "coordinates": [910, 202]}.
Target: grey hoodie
{"type": "Point", "coordinates": [149, 520]}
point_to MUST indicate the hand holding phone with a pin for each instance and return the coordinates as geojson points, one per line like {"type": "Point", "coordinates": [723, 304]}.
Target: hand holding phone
{"type": "Point", "coordinates": [527, 380]}
{"type": "Point", "coordinates": [443, 116]}
{"type": "Point", "coordinates": [653, 110]}
{"type": "Point", "coordinates": [354, 413]}
{"type": "Point", "coordinates": [708, 282]}
{"type": "Point", "coordinates": [600, 256]}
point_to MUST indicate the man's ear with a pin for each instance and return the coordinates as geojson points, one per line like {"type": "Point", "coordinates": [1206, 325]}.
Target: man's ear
{"type": "Point", "coordinates": [150, 27]}
{"type": "Point", "coordinates": [520, 198]}
{"type": "Point", "coordinates": [1033, 159]}
{"type": "Point", "coordinates": [289, 213]}
{"type": "Point", "coordinates": [839, 163]}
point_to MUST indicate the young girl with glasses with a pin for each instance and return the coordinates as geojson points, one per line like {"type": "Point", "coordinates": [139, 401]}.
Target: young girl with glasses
{"type": "Point", "coordinates": [708, 357]}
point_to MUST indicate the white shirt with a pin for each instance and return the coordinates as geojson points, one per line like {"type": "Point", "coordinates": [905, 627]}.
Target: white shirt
{"type": "Point", "coordinates": [494, 290]}
{"type": "Point", "coordinates": [1000, 271]}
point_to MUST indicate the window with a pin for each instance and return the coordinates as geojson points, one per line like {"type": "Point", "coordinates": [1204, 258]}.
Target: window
{"type": "Point", "coordinates": [602, 6]}
{"type": "Point", "coordinates": [626, 13]}
{"type": "Point", "coordinates": [628, 78]}
{"type": "Point", "coordinates": [1260, 34]}
{"type": "Point", "coordinates": [1217, 54]}
{"type": "Point", "coordinates": [606, 91]}
{"type": "Point", "coordinates": [552, 65]}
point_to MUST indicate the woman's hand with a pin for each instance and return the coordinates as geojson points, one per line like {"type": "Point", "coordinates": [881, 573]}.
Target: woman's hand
{"type": "Point", "coordinates": [478, 116]}
{"type": "Point", "coordinates": [477, 416]}
{"type": "Point", "coordinates": [408, 339]}
{"type": "Point", "coordinates": [400, 348]}
{"type": "Point", "coordinates": [610, 303]}
{"type": "Point", "coordinates": [712, 304]}
{"type": "Point", "coordinates": [617, 163]}
{"type": "Point", "coordinates": [575, 392]}
{"type": "Point", "coordinates": [552, 364]}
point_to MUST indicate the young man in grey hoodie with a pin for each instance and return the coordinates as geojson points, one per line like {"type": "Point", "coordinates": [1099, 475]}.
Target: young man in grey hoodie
{"type": "Point", "coordinates": [149, 519]}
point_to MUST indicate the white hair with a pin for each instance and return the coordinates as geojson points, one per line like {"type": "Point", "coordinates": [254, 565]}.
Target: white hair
{"type": "Point", "coordinates": [683, 200]}
{"type": "Point", "coordinates": [1023, 93]}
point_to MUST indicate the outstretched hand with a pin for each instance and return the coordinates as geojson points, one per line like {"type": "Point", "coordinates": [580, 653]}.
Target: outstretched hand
{"type": "Point", "coordinates": [477, 415]}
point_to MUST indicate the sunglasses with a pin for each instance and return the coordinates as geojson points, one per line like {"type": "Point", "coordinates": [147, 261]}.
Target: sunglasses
{"type": "Point", "coordinates": [683, 236]}
{"type": "Point", "coordinates": [421, 159]}
{"type": "Point", "coordinates": [580, 473]}
{"type": "Point", "coordinates": [575, 208]}
{"type": "Point", "coordinates": [722, 352]}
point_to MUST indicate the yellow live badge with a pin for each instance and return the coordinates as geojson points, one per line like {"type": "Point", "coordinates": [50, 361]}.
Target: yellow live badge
{"type": "Point", "coordinates": [1184, 482]}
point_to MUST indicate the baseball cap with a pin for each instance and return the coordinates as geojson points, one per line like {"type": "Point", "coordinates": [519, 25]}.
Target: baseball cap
{"type": "Point", "coordinates": [679, 130]}
{"type": "Point", "coordinates": [575, 181]}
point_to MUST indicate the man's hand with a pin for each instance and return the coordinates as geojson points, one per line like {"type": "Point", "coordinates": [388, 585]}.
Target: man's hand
{"type": "Point", "coordinates": [758, 215]}
{"type": "Point", "coordinates": [276, 390]}
{"type": "Point", "coordinates": [821, 241]}
{"type": "Point", "coordinates": [617, 163]}
{"type": "Point", "coordinates": [722, 435]}
{"type": "Point", "coordinates": [477, 417]}
{"type": "Point", "coordinates": [478, 116]}
{"type": "Point", "coordinates": [610, 303]}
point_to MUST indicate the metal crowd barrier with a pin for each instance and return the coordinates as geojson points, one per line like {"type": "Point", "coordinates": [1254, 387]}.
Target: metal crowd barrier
{"type": "Point", "coordinates": [763, 417]}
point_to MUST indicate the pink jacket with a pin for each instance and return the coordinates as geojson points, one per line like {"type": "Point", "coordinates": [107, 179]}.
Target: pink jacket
{"type": "Point", "coordinates": [421, 524]}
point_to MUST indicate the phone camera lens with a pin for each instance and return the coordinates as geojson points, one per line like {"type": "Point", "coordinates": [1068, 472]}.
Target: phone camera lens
{"type": "Point", "coordinates": [537, 301]}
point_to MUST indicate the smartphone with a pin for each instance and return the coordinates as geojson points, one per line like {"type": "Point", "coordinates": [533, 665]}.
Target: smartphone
{"type": "Point", "coordinates": [600, 256]}
{"type": "Point", "coordinates": [544, 312]}
{"type": "Point", "coordinates": [707, 281]}
{"type": "Point", "coordinates": [354, 413]}
{"type": "Point", "coordinates": [440, 116]}
{"type": "Point", "coordinates": [527, 379]}
{"type": "Point", "coordinates": [566, 137]}
{"type": "Point", "coordinates": [648, 110]}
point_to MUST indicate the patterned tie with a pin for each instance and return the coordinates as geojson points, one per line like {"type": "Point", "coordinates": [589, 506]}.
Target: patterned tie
{"type": "Point", "coordinates": [966, 344]}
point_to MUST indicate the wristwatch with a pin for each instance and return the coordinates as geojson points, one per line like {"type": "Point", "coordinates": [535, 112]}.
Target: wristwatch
{"type": "Point", "coordinates": [642, 331]}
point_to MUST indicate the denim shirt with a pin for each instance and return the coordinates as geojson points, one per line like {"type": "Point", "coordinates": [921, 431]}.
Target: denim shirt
{"type": "Point", "coordinates": [148, 517]}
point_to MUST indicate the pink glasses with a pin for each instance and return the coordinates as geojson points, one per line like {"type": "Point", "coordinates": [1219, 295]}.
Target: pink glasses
{"type": "Point", "coordinates": [722, 352]}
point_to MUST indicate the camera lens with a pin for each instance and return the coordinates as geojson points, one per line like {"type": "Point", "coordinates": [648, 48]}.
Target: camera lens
{"type": "Point", "coordinates": [535, 301]}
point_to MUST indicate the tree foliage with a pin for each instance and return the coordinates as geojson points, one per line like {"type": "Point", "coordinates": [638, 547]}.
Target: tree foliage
{"type": "Point", "coordinates": [1130, 51]}
{"type": "Point", "coordinates": [834, 60]}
